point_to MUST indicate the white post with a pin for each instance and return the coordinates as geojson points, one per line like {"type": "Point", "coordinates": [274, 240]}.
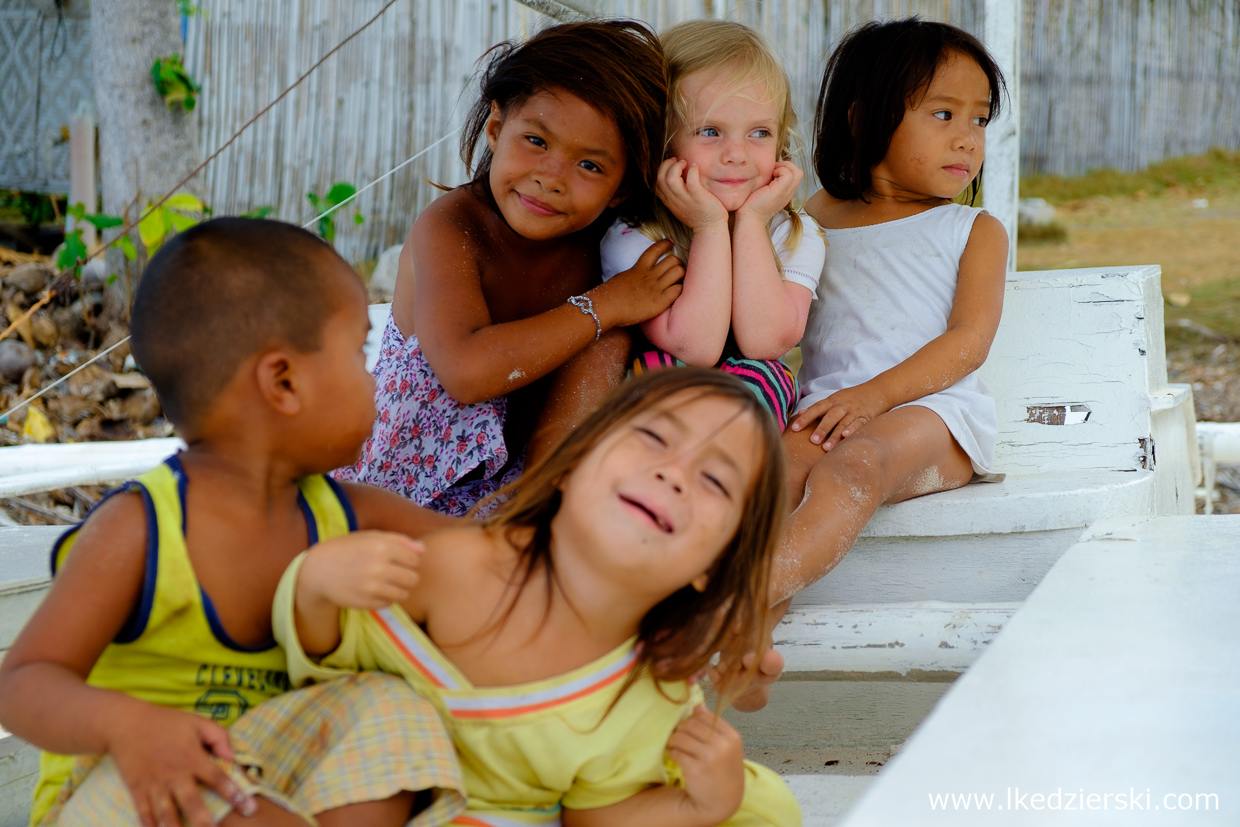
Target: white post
{"type": "Point", "coordinates": [1001, 185]}
{"type": "Point", "coordinates": [82, 188]}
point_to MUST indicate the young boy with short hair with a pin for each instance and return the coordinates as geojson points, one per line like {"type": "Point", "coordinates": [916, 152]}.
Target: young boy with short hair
{"type": "Point", "coordinates": [156, 634]}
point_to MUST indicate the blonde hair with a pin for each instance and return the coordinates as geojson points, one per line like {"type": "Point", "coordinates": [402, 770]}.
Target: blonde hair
{"type": "Point", "coordinates": [736, 55]}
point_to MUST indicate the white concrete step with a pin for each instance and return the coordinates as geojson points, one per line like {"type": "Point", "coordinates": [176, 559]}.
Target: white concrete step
{"type": "Point", "coordinates": [1020, 503]}
{"type": "Point", "coordinates": [19, 768]}
{"type": "Point", "coordinates": [917, 640]}
{"type": "Point", "coordinates": [1110, 698]}
{"type": "Point", "coordinates": [826, 799]}
{"type": "Point", "coordinates": [25, 574]}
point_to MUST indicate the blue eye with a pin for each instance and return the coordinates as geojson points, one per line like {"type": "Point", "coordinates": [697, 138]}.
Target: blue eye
{"type": "Point", "coordinates": [762, 133]}
{"type": "Point", "coordinates": [708, 132]}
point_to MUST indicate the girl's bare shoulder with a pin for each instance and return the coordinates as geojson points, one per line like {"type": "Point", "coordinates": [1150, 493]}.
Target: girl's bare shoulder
{"type": "Point", "coordinates": [461, 554]}
{"type": "Point", "coordinates": [456, 214]}
{"type": "Point", "coordinates": [830, 212]}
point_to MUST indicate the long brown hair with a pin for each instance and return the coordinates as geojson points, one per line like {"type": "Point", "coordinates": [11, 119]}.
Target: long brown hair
{"type": "Point", "coordinates": [678, 637]}
{"type": "Point", "coordinates": [616, 66]}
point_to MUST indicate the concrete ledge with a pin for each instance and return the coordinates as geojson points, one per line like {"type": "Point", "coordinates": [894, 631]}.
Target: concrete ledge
{"type": "Point", "coordinates": [898, 638]}
{"type": "Point", "coordinates": [19, 769]}
{"type": "Point", "coordinates": [1118, 677]}
{"type": "Point", "coordinates": [25, 469]}
{"type": "Point", "coordinates": [1029, 502]}
{"type": "Point", "coordinates": [24, 575]}
{"type": "Point", "coordinates": [826, 798]}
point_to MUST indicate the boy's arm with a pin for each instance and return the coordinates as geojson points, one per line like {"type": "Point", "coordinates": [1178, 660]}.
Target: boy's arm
{"type": "Point", "coordinates": [378, 509]}
{"type": "Point", "coordinates": [162, 754]}
{"type": "Point", "coordinates": [711, 757]}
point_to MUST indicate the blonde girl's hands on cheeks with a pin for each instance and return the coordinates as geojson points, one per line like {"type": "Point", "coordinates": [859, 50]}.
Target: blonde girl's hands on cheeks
{"type": "Point", "coordinates": [711, 756]}
{"type": "Point", "coordinates": [641, 292]}
{"type": "Point", "coordinates": [765, 202]}
{"type": "Point", "coordinates": [679, 187]}
{"type": "Point", "coordinates": [841, 415]}
{"type": "Point", "coordinates": [164, 757]}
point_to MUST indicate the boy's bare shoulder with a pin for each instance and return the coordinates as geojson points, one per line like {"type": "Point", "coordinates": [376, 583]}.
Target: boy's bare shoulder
{"type": "Point", "coordinates": [94, 591]}
{"type": "Point", "coordinates": [115, 528]}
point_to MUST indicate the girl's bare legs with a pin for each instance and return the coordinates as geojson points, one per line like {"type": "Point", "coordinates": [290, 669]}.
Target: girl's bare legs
{"type": "Point", "coordinates": [904, 453]}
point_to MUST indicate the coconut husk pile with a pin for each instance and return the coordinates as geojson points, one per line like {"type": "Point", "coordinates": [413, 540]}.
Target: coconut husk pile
{"type": "Point", "coordinates": [108, 400]}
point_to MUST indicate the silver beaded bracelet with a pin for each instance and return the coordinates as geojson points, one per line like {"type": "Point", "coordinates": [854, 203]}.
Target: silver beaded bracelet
{"type": "Point", "coordinates": [586, 305]}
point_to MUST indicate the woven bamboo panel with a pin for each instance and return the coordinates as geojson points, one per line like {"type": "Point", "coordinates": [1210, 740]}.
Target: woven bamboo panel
{"type": "Point", "coordinates": [405, 83]}
{"type": "Point", "coordinates": [44, 76]}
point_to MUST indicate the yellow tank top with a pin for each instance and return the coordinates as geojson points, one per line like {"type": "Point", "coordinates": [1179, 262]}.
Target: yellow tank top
{"type": "Point", "coordinates": [173, 651]}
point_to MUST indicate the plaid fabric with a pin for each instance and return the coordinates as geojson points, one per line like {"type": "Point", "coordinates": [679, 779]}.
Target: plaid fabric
{"type": "Point", "coordinates": [770, 379]}
{"type": "Point", "coordinates": [361, 738]}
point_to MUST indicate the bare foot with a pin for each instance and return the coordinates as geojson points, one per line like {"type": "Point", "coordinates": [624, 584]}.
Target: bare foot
{"type": "Point", "coordinates": [758, 692]}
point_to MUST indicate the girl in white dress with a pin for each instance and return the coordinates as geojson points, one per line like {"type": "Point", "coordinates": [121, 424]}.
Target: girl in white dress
{"type": "Point", "coordinates": [910, 295]}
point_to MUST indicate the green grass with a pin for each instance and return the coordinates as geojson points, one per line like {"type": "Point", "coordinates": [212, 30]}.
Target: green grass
{"type": "Point", "coordinates": [1215, 305]}
{"type": "Point", "coordinates": [1216, 168]}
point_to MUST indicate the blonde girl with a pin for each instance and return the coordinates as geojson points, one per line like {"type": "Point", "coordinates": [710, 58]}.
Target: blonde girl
{"type": "Point", "coordinates": [725, 192]}
{"type": "Point", "coordinates": [560, 636]}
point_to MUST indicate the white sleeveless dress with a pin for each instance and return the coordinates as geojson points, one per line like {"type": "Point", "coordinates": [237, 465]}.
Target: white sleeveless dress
{"type": "Point", "coordinates": [887, 290]}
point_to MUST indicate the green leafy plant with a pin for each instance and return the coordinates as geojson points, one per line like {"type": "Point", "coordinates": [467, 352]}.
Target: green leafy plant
{"type": "Point", "coordinates": [261, 211]}
{"type": "Point", "coordinates": [174, 83]}
{"type": "Point", "coordinates": [188, 8]}
{"type": "Point", "coordinates": [180, 212]}
{"type": "Point", "coordinates": [340, 192]}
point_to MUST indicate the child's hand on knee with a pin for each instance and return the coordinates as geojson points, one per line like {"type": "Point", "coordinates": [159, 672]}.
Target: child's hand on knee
{"type": "Point", "coordinates": [840, 415]}
{"type": "Point", "coordinates": [361, 570]}
{"type": "Point", "coordinates": [165, 756]}
{"type": "Point", "coordinates": [712, 757]}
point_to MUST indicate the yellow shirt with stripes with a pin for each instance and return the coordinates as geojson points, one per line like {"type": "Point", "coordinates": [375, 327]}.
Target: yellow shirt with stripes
{"type": "Point", "coordinates": [527, 751]}
{"type": "Point", "coordinates": [173, 650]}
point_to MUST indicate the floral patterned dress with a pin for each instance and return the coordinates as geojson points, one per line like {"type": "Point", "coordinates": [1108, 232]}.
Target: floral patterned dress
{"type": "Point", "coordinates": [425, 442]}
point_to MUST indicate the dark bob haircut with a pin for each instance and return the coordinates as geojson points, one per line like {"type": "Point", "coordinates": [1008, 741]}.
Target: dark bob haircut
{"type": "Point", "coordinates": [876, 72]}
{"type": "Point", "coordinates": [616, 66]}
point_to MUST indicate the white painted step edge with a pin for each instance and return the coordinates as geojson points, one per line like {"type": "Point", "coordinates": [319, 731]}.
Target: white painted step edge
{"type": "Point", "coordinates": [903, 638]}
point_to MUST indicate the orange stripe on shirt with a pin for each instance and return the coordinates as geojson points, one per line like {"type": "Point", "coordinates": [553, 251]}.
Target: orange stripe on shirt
{"type": "Point", "coordinates": [409, 656]}
{"type": "Point", "coordinates": [522, 710]}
